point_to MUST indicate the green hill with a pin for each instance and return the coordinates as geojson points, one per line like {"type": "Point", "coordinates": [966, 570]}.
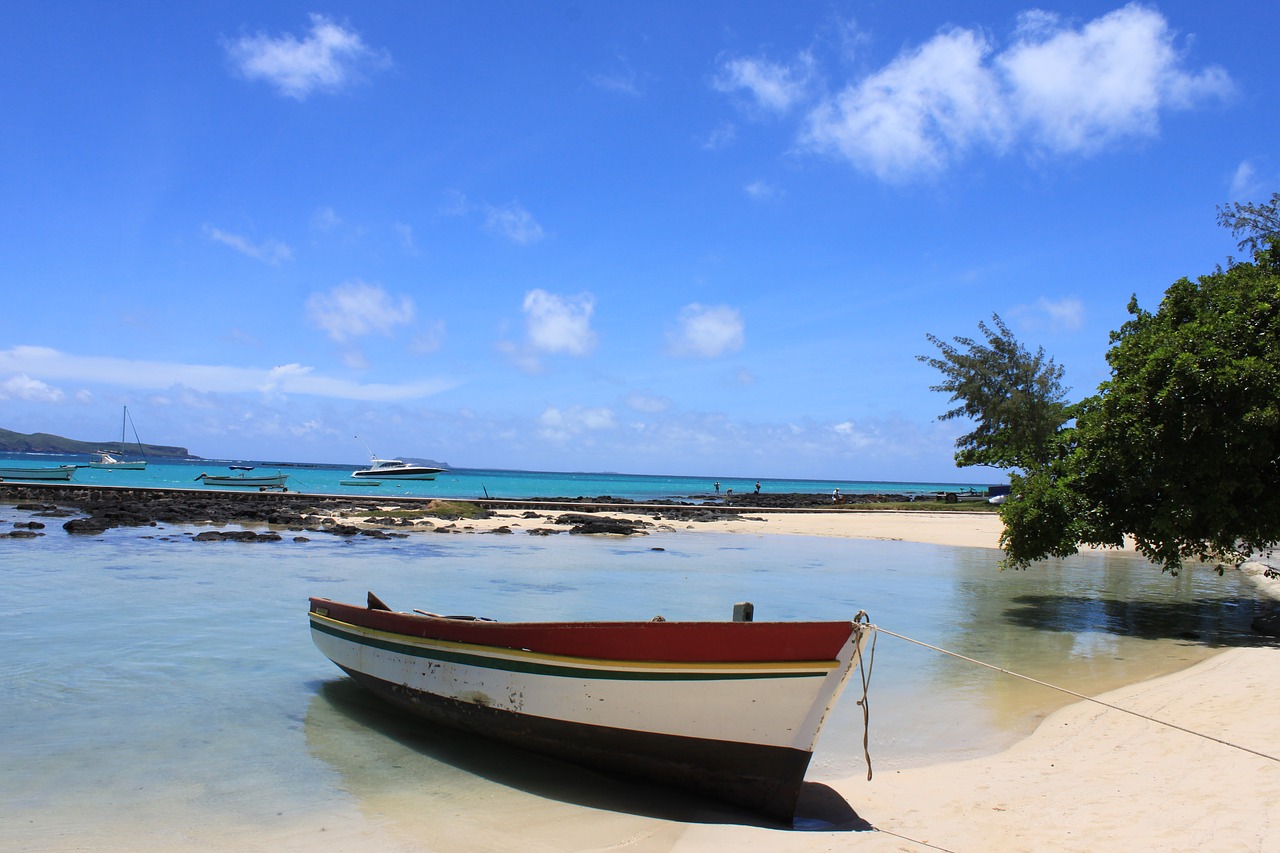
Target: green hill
{"type": "Point", "coordinates": [43, 442]}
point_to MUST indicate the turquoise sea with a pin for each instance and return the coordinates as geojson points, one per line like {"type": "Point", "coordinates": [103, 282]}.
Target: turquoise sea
{"type": "Point", "coordinates": [474, 482]}
{"type": "Point", "coordinates": [159, 693]}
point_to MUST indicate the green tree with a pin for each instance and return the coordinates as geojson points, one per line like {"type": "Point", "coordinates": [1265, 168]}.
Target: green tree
{"type": "Point", "coordinates": [1258, 223]}
{"type": "Point", "coordinates": [1013, 396]}
{"type": "Point", "coordinates": [1179, 450]}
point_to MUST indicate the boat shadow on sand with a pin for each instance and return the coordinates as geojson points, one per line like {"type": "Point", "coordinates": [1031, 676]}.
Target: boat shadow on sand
{"type": "Point", "coordinates": [380, 751]}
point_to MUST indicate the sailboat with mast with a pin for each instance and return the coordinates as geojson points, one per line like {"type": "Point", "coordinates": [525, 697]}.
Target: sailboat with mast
{"type": "Point", "coordinates": [115, 461]}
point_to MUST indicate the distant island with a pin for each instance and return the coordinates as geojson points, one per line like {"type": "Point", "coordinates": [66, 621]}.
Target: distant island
{"type": "Point", "coordinates": [43, 442]}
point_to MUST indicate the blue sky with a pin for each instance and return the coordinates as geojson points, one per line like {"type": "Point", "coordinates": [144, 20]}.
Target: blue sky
{"type": "Point", "coordinates": [659, 237]}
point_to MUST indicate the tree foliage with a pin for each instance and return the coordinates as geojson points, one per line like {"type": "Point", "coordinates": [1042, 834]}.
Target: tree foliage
{"type": "Point", "coordinates": [1014, 397]}
{"type": "Point", "coordinates": [1258, 223]}
{"type": "Point", "coordinates": [1178, 451]}
{"type": "Point", "coordinates": [1182, 449]}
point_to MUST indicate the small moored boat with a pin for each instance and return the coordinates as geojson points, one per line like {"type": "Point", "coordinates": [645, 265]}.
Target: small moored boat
{"type": "Point", "coordinates": [41, 472]}
{"type": "Point", "coordinates": [244, 478]}
{"type": "Point", "coordinates": [730, 710]}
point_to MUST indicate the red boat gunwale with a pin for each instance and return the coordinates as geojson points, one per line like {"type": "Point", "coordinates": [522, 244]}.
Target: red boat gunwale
{"type": "Point", "coordinates": [662, 642]}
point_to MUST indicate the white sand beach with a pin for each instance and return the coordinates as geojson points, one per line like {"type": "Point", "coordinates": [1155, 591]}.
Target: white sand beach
{"type": "Point", "coordinates": [1089, 779]}
{"type": "Point", "coordinates": [957, 529]}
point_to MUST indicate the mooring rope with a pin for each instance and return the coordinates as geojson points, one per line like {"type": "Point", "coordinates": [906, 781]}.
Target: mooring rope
{"type": "Point", "coordinates": [865, 665]}
{"type": "Point", "coordinates": [1156, 720]}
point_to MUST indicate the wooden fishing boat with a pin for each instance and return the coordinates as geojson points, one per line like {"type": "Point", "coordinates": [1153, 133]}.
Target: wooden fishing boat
{"type": "Point", "coordinates": [40, 472]}
{"type": "Point", "coordinates": [244, 478]}
{"type": "Point", "coordinates": [730, 710]}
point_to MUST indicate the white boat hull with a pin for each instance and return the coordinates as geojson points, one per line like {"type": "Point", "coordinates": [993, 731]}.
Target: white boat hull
{"type": "Point", "coordinates": [742, 732]}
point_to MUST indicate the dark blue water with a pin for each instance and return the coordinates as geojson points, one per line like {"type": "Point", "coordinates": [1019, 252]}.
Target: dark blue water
{"type": "Point", "coordinates": [161, 690]}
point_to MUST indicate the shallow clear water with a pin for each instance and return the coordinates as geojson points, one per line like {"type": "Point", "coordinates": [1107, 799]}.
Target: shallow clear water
{"type": "Point", "coordinates": [175, 682]}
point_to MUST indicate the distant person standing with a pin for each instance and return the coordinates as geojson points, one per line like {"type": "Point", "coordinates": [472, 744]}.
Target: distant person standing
{"type": "Point", "coordinates": [835, 496]}
{"type": "Point", "coordinates": [757, 487]}
{"type": "Point", "coordinates": [717, 488]}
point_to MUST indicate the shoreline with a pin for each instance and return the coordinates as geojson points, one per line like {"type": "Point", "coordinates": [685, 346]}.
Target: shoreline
{"type": "Point", "coordinates": [794, 515]}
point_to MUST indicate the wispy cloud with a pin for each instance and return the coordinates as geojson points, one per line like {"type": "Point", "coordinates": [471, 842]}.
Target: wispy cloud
{"type": "Point", "coordinates": [1245, 184]}
{"type": "Point", "coordinates": [270, 252]}
{"type": "Point", "coordinates": [648, 403]}
{"type": "Point", "coordinates": [706, 331]}
{"type": "Point", "coordinates": [721, 137]}
{"type": "Point", "coordinates": [32, 361]}
{"type": "Point", "coordinates": [514, 223]}
{"type": "Point", "coordinates": [355, 309]}
{"type": "Point", "coordinates": [327, 59]}
{"type": "Point", "coordinates": [1055, 89]}
{"type": "Point", "coordinates": [1066, 314]}
{"type": "Point", "coordinates": [772, 87]}
{"type": "Point", "coordinates": [762, 190]}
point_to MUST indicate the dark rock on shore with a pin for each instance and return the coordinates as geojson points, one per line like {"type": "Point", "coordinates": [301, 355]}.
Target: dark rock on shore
{"type": "Point", "coordinates": [796, 500]}
{"type": "Point", "coordinates": [235, 536]}
{"type": "Point", "coordinates": [87, 526]}
{"type": "Point", "coordinates": [601, 525]}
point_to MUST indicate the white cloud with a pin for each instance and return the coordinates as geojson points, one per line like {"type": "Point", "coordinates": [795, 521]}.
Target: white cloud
{"type": "Point", "coordinates": [355, 309]}
{"type": "Point", "coordinates": [23, 387]}
{"type": "Point", "coordinates": [329, 58]}
{"type": "Point", "coordinates": [851, 435]}
{"type": "Point", "coordinates": [1057, 88]}
{"type": "Point", "coordinates": [1077, 90]}
{"type": "Point", "coordinates": [773, 87]}
{"type": "Point", "coordinates": [917, 112]}
{"type": "Point", "coordinates": [707, 331]}
{"type": "Point", "coordinates": [204, 378]}
{"type": "Point", "coordinates": [514, 223]}
{"type": "Point", "coordinates": [1064, 313]}
{"type": "Point", "coordinates": [560, 424]}
{"type": "Point", "coordinates": [269, 252]}
{"type": "Point", "coordinates": [559, 324]}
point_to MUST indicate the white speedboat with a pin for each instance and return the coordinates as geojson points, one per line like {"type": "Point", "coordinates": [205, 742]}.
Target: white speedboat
{"type": "Point", "coordinates": [394, 469]}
